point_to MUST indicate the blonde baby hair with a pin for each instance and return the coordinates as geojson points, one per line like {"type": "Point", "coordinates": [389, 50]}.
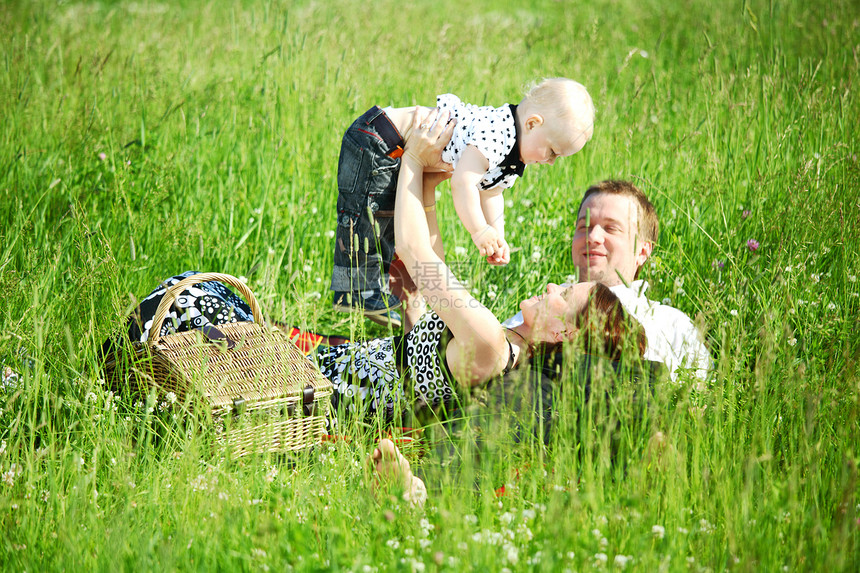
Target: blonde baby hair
{"type": "Point", "coordinates": [561, 100]}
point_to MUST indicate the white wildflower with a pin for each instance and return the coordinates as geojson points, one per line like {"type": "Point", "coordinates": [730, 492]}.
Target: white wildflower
{"type": "Point", "coordinates": [199, 483]}
{"type": "Point", "coordinates": [535, 559]}
{"type": "Point", "coordinates": [622, 560]}
{"type": "Point", "coordinates": [658, 531]}
{"type": "Point", "coordinates": [9, 477]}
{"type": "Point", "coordinates": [426, 526]}
{"type": "Point", "coordinates": [524, 533]}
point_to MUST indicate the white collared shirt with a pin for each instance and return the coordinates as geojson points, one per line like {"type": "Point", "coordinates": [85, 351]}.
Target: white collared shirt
{"type": "Point", "coordinates": [673, 339]}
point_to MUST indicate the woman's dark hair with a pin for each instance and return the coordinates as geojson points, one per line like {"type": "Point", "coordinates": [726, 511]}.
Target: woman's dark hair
{"type": "Point", "coordinates": [604, 331]}
{"type": "Point", "coordinates": [605, 326]}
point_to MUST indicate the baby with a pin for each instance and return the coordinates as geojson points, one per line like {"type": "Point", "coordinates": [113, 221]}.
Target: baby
{"type": "Point", "coordinates": [488, 151]}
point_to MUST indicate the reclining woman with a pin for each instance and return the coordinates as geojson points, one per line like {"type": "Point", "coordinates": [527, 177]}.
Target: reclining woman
{"type": "Point", "coordinates": [456, 344]}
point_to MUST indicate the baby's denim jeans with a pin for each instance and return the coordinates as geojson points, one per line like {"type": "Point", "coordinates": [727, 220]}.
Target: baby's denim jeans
{"type": "Point", "coordinates": [367, 182]}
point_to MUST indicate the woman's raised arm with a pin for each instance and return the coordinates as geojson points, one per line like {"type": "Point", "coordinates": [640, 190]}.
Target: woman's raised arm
{"type": "Point", "coordinates": [480, 350]}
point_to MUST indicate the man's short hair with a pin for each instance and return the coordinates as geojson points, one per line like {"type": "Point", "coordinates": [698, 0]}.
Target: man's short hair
{"type": "Point", "coordinates": [649, 226]}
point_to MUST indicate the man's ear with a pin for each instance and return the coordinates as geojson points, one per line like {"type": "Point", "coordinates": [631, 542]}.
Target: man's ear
{"type": "Point", "coordinates": [533, 121]}
{"type": "Point", "coordinates": [643, 253]}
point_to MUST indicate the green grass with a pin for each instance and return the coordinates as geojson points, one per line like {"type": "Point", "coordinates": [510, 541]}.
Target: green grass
{"type": "Point", "coordinates": [140, 140]}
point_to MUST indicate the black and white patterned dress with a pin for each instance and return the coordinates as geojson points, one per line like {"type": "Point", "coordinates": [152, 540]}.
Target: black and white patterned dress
{"type": "Point", "coordinates": [195, 307]}
{"type": "Point", "coordinates": [378, 376]}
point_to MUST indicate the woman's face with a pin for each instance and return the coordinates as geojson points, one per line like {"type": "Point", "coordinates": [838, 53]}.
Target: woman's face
{"type": "Point", "coordinates": [549, 313]}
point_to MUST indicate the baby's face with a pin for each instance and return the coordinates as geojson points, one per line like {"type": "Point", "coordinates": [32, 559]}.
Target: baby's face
{"type": "Point", "coordinates": [544, 143]}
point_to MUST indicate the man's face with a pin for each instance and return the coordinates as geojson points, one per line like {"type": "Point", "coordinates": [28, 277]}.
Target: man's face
{"type": "Point", "coordinates": [606, 247]}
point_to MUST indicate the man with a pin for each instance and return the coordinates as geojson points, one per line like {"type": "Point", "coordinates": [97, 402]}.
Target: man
{"type": "Point", "coordinates": [616, 229]}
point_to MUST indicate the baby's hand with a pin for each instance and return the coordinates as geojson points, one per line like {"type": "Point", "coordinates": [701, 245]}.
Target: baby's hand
{"type": "Point", "coordinates": [488, 241]}
{"type": "Point", "coordinates": [502, 256]}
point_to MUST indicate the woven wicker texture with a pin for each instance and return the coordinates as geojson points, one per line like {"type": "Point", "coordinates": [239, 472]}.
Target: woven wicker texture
{"type": "Point", "coordinates": [279, 398]}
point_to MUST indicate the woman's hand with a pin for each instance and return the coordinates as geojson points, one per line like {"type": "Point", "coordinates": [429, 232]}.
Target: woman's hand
{"type": "Point", "coordinates": [432, 179]}
{"type": "Point", "coordinates": [431, 132]}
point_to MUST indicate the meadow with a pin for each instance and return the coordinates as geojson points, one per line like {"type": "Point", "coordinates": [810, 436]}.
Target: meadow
{"type": "Point", "coordinates": [142, 139]}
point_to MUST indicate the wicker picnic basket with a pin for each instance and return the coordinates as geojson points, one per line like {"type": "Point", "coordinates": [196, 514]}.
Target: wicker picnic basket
{"type": "Point", "coordinates": [263, 394]}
